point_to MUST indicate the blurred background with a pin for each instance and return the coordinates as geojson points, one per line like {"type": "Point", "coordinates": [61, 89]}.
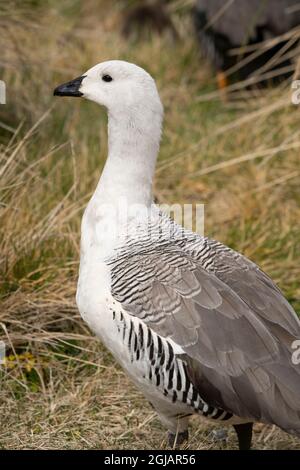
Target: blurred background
{"type": "Point", "coordinates": [224, 70]}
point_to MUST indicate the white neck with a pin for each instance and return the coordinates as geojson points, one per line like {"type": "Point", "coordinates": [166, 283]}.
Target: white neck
{"type": "Point", "coordinates": [133, 144]}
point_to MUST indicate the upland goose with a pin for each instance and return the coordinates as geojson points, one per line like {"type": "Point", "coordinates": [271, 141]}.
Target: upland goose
{"type": "Point", "coordinates": [224, 25]}
{"type": "Point", "coordinates": [197, 326]}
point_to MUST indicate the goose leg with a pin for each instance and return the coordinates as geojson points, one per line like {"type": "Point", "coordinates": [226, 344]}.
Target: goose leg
{"type": "Point", "coordinates": [177, 427]}
{"type": "Point", "coordinates": [222, 84]}
{"type": "Point", "coordinates": [244, 434]}
{"type": "Point", "coordinates": [175, 440]}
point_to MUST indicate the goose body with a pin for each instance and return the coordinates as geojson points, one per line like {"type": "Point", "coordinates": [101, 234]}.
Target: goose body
{"type": "Point", "coordinates": [154, 362]}
{"type": "Point", "coordinates": [198, 327]}
{"type": "Point", "coordinates": [222, 26]}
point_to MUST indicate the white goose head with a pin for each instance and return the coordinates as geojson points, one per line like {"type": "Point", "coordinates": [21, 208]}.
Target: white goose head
{"type": "Point", "coordinates": [135, 117]}
{"type": "Point", "coordinates": [118, 85]}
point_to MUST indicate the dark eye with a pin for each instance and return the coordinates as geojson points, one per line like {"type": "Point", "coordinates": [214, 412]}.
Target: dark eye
{"type": "Point", "coordinates": [106, 78]}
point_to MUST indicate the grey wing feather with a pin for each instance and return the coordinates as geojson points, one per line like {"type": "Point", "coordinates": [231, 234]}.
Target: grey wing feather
{"type": "Point", "coordinates": [230, 319]}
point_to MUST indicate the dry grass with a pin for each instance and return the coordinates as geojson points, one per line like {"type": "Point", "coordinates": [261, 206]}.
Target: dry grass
{"type": "Point", "coordinates": [241, 158]}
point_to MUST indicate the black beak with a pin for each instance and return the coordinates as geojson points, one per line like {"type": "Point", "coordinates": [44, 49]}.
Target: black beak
{"type": "Point", "coordinates": [70, 88]}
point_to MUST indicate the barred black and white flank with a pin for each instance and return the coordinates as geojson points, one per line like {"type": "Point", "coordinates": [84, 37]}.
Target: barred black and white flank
{"type": "Point", "coordinates": [198, 327]}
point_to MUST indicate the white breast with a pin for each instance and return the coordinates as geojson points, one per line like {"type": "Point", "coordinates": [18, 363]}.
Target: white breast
{"type": "Point", "coordinates": [93, 297]}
